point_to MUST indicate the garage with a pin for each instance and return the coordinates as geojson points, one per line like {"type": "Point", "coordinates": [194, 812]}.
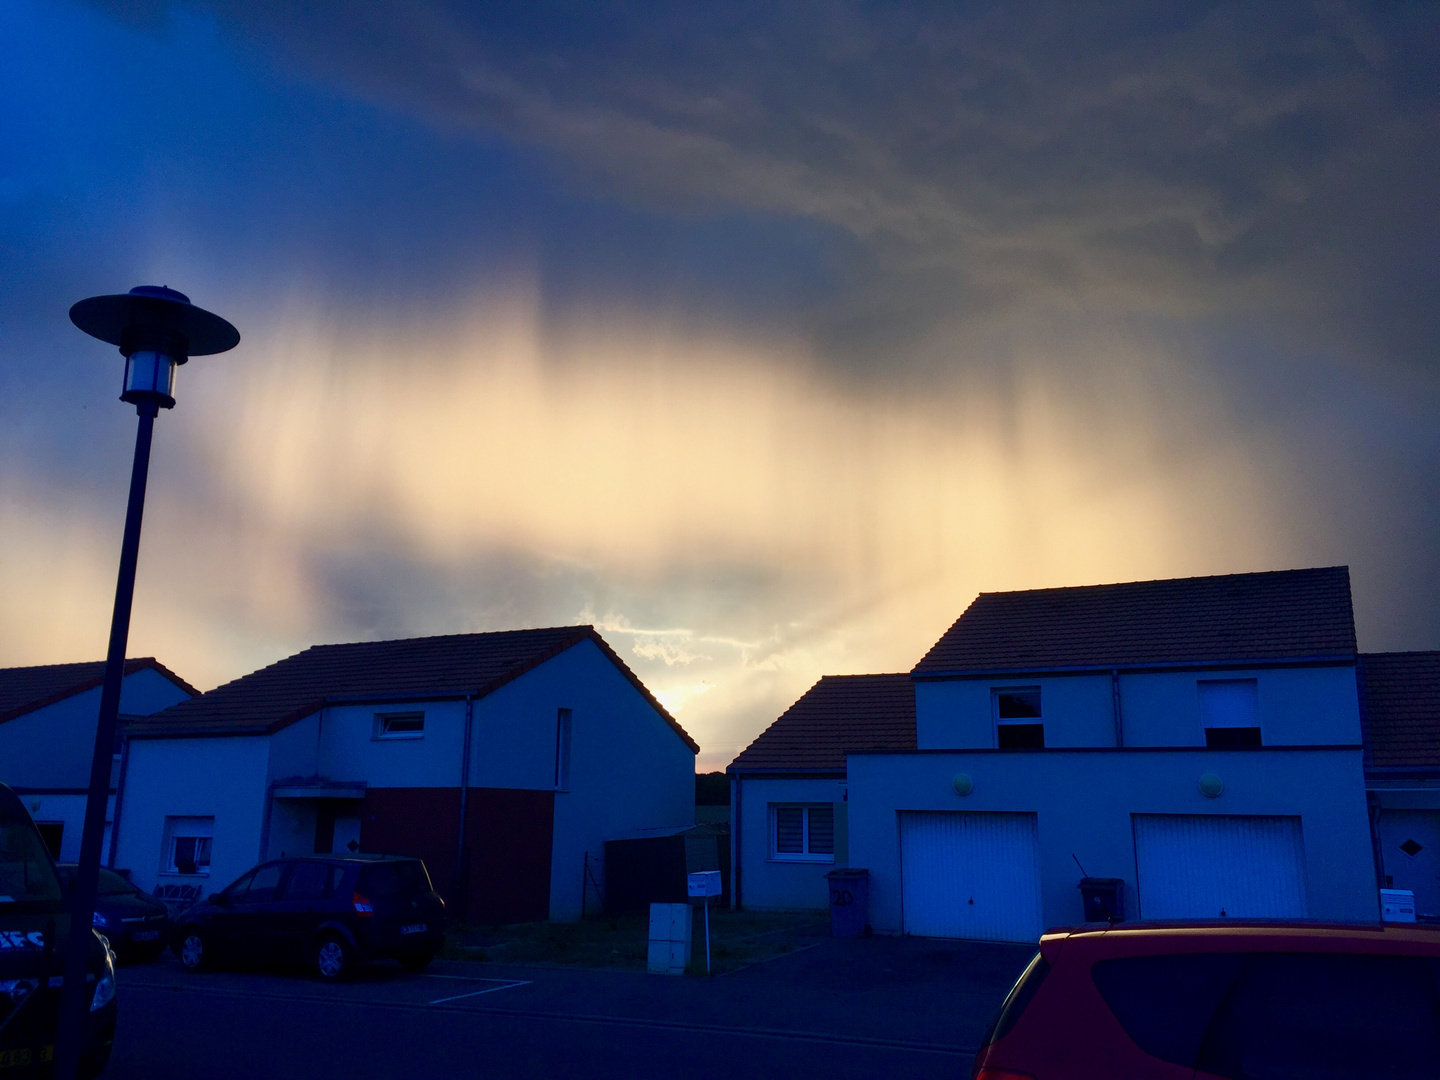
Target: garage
{"type": "Point", "coordinates": [970, 875]}
{"type": "Point", "coordinates": [1191, 866]}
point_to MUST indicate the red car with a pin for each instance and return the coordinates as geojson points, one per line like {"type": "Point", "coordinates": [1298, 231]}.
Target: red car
{"type": "Point", "coordinates": [1242, 1001]}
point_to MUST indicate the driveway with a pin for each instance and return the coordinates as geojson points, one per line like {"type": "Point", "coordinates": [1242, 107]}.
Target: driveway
{"type": "Point", "coordinates": [880, 1006]}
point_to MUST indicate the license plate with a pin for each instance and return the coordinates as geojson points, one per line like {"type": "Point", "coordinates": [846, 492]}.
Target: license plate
{"type": "Point", "coordinates": [414, 928]}
{"type": "Point", "coordinates": [145, 935]}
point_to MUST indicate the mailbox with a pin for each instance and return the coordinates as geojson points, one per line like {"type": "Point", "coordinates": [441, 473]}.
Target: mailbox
{"type": "Point", "coordinates": [704, 884]}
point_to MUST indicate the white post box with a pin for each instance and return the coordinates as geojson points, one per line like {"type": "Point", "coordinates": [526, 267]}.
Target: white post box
{"type": "Point", "coordinates": [670, 928]}
{"type": "Point", "coordinates": [705, 883]}
{"type": "Point", "coordinates": [1397, 905]}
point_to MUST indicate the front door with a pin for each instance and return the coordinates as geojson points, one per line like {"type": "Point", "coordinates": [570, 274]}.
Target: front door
{"type": "Point", "coordinates": [1410, 850]}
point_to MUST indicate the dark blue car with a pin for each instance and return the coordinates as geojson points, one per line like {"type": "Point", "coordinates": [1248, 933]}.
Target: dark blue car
{"type": "Point", "coordinates": [137, 926]}
{"type": "Point", "coordinates": [326, 912]}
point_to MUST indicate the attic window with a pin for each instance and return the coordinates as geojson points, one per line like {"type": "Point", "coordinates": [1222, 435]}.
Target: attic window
{"type": "Point", "coordinates": [1018, 722]}
{"type": "Point", "coordinates": [400, 726]}
{"type": "Point", "coordinates": [1230, 713]}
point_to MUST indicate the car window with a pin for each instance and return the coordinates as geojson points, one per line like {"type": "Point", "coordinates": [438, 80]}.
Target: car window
{"type": "Point", "coordinates": [1165, 1003]}
{"type": "Point", "coordinates": [27, 876]}
{"type": "Point", "coordinates": [261, 887]}
{"type": "Point", "coordinates": [393, 878]}
{"type": "Point", "coordinates": [1322, 1016]}
{"type": "Point", "coordinates": [311, 881]}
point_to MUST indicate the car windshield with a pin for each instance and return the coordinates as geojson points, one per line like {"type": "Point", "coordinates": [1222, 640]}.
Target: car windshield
{"type": "Point", "coordinates": [112, 884]}
{"type": "Point", "coordinates": [27, 877]}
{"type": "Point", "coordinates": [394, 878]}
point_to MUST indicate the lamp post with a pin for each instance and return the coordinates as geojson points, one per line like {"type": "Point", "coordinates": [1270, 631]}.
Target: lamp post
{"type": "Point", "coordinates": [157, 330]}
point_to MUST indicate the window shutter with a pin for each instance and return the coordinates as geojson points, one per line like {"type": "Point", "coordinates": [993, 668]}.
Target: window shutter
{"type": "Point", "coordinates": [789, 830]}
{"type": "Point", "coordinates": [822, 830]}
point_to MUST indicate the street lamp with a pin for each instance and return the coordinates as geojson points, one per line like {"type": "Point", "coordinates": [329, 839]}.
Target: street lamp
{"type": "Point", "coordinates": [157, 330]}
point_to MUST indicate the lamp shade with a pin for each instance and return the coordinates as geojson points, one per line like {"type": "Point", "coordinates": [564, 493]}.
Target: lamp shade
{"type": "Point", "coordinates": [155, 318]}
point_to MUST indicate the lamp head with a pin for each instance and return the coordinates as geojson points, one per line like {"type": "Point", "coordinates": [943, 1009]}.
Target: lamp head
{"type": "Point", "coordinates": [157, 329]}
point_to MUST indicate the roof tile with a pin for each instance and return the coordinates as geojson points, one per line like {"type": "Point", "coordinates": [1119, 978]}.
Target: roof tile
{"type": "Point", "coordinates": [1400, 709]}
{"type": "Point", "coordinates": [839, 715]}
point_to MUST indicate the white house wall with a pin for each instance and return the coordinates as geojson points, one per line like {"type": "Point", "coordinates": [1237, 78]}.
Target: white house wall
{"type": "Point", "coordinates": [1298, 706]}
{"type": "Point", "coordinates": [767, 883]}
{"type": "Point", "coordinates": [629, 770]}
{"type": "Point", "coordinates": [1084, 802]}
{"type": "Point", "coordinates": [349, 750]}
{"type": "Point", "coordinates": [223, 778]}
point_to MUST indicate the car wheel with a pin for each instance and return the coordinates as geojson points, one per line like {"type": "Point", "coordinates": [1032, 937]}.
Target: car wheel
{"type": "Point", "coordinates": [334, 959]}
{"type": "Point", "coordinates": [417, 960]}
{"type": "Point", "coordinates": [191, 949]}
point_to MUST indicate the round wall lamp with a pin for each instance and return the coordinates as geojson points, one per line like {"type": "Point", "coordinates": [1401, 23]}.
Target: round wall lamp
{"type": "Point", "coordinates": [962, 784]}
{"type": "Point", "coordinates": [1211, 786]}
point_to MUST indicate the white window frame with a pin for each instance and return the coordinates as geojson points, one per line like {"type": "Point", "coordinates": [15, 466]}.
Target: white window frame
{"type": "Point", "coordinates": [177, 828]}
{"type": "Point", "coordinates": [805, 854]}
{"type": "Point", "coordinates": [1026, 721]}
{"type": "Point", "coordinates": [384, 720]}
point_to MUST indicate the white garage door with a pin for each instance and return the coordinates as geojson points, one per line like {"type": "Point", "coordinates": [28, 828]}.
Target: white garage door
{"type": "Point", "coordinates": [1192, 866]}
{"type": "Point", "coordinates": [970, 875]}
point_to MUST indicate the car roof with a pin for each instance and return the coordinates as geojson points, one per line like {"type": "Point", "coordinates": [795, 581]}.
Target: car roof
{"type": "Point", "coordinates": [349, 858]}
{"type": "Point", "coordinates": [1288, 935]}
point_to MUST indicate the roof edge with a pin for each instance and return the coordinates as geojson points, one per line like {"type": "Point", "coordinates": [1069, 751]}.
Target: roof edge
{"type": "Point", "coordinates": [132, 665]}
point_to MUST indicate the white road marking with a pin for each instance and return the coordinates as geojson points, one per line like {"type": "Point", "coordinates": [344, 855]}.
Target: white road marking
{"type": "Point", "coordinates": [507, 984]}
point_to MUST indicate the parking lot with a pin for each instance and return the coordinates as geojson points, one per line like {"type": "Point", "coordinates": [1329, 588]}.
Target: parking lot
{"type": "Point", "coordinates": [880, 1006]}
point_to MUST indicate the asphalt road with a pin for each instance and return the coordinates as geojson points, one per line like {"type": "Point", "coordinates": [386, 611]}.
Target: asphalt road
{"type": "Point", "coordinates": [893, 1007]}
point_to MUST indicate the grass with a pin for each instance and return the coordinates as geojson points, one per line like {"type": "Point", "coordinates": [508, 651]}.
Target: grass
{"type": "Point", "coordinates": [737, 939]}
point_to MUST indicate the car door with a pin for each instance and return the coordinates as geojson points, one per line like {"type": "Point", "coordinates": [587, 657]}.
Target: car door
{"type": "Point", "coordinates": [301, 906]}
{"type": "Point", "coordinates": [250, 916]}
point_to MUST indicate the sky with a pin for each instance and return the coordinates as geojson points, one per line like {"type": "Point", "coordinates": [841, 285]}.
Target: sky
{"type": "Point", "coordinates": [763, 337]}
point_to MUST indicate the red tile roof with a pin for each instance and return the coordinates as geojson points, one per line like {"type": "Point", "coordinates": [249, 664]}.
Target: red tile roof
{"type": "Point", "coordinates": [25, 689]}
{"type": "Point", "coordinates": [1400, 709]}
{"type": "Point", "coordinates": [1281, 614]}
{"type": "Point", "coordinates": [840, 714]}
{"type": "Point", "coordinates": [454, 664]}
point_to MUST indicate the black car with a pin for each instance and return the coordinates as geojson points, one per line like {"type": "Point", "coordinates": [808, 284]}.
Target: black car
{"type": "Point", "coordinates": [136, 925]}
{"type": "Point", "coordinates": [328, 912]}
{"type": "Point", "coordinates": [34, 931]}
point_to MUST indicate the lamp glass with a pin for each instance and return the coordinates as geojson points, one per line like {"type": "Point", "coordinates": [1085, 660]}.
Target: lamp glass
{"type": "Point", "coordinates": [149, 372]}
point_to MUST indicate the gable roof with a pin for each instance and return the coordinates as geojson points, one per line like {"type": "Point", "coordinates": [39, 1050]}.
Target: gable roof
{"type": "Point", "coordinates": [25, 689]}
{"type": "Point", "coordinates": [450, 665]}
{"type": "Point", "coordinates": [1400, 709]}
{"type": "Point", "coordinates": [840, 714]}
{"type": "Point", "coordinates": [1276, 615]}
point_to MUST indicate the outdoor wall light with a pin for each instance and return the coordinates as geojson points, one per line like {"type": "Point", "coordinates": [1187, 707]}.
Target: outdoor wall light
{"type": "Point", "coordinates": [962, 784]}
{"type": "Point", "coordinates": [1211, 786]}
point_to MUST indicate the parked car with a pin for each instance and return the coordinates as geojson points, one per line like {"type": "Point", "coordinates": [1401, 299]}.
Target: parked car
{"type": "Point", "coordinates": [136, 925]}
{"type": "Point", "coordinates": [34, 931]}
{"type": "Point", "coordinates": [1262, 1001]}
{"type": "Point", "coordinates": [329, 912]}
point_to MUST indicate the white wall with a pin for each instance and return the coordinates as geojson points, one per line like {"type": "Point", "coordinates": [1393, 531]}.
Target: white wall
{"type": "Point", "coordinates": [768, 883]}
{"type": "Point", "coordinates": [52, 746]}
{"type": "Point", "coordinates": [1298, 706]}
{"type": "Point", "coordinates": [629, 770]}
{"type": "Point", "coordinates": [222, 777]}
{"type": "Point", "coordinates": [348, 749]}
{"type": "Point", "coordinates": [1084, 801]}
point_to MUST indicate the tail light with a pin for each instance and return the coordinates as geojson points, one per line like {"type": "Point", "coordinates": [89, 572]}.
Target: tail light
{"type": "Point", "coordinates": [363, 907]}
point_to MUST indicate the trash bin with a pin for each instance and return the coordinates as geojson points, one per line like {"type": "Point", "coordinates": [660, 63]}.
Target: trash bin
{"type": "Point", "coordinates": [849, 902]}
{"type": "Point", "coordinates": [1104, 899]}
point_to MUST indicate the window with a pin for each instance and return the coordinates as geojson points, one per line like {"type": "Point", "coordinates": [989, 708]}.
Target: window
{"type": "Point", "coordinates": [803, 833]}
{"type": "Point", "coordinates": [1165, 1003]}
{"type": "Point", "coordinates": [562, 749]}
{"type": "Point", "coordinates": [400, 725]}
{"type": "Point", "coordinates": [311, 881]}
{"type": "Point", "coordinates": [394, 878]}
{"type": "Point", "coordinates": [1313, 1016]}
{"type": "Point", "coordinates": [258, 886]}
{"type": "Point", "coordinates": [1230, 713]}
{"type": "Point", "coordinates": [1018, 725]}
{"type": "Point", "coordinates": [187, 844]}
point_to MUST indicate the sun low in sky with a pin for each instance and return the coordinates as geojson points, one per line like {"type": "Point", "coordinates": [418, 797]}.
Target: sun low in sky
{"type": "Point", "coordinates": [763, 337]}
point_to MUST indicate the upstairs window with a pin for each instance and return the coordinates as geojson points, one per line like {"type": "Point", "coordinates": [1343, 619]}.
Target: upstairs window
{"type": "Point", "coordinates": [1018, 722]}
{"type": "Point", "coordinates": [803, 833]}
{"type": "Point", "coordinates": [400, 725]}
{"type": "Point", "coordinates": [1230, 713]}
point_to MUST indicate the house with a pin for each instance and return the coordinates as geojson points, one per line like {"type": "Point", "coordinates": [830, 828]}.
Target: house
{"type": "Point", "coordinates": [47, 737]}
{"type": "Point", "coordinates": [1400, 710]}
{"type": "Point", "coordinates": [787, 789]}
{"type": "Point", "coordinates": [504, 760]}
{"type": "Point", "coordinates": [1198, 739]}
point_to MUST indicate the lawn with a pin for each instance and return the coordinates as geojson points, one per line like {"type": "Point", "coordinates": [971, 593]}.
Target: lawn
{"type": "Point", "coordinates": [736, 940]}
